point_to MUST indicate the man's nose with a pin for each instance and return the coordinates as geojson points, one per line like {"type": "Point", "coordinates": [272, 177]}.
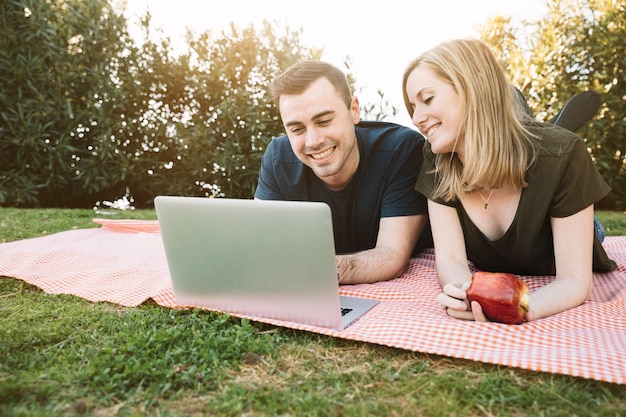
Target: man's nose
{"type": "Point", "coordinates": [314, 137]}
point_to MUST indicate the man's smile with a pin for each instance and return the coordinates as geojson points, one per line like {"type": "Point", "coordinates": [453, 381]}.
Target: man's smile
{"type": "Point", "coordinates": [324, 154]}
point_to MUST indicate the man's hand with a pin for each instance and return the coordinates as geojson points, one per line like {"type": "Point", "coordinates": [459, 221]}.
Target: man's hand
{"type": "Point", "coordinates": [397, 237]}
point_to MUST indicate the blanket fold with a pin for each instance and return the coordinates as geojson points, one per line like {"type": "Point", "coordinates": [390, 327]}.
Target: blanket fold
{"type": "Point", "coordinates": [123, 262]}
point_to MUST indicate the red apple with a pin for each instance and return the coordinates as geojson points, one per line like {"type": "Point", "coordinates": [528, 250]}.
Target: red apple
{"type": "Point", "coordinates": [503, 297]}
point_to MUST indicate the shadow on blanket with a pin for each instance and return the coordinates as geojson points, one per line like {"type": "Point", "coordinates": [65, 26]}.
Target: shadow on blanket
{"type": "Point", "coordinates": [123, 262]}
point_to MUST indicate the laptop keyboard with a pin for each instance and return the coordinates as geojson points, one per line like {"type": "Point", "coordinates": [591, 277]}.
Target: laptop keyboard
{"type": "Point", "coordinates": [345, 311]}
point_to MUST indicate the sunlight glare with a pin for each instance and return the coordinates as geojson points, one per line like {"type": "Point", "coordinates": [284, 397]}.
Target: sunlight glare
{"type": "Point", "coordinates": [379, 41]}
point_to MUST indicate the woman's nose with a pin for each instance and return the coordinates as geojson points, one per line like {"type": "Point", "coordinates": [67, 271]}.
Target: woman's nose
{"type": "Point", "coordinates": [419, 118]}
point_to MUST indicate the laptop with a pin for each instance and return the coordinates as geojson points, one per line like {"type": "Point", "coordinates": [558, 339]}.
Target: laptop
{"type": "Point", "coordinates": [259, 258]}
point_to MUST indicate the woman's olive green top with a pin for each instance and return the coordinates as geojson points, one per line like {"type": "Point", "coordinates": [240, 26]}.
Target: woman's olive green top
{"type": "Point", "coordinates": [561, 181]}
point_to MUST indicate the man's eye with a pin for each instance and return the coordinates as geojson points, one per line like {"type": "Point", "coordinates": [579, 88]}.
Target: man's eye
{"type": "Point", "coordinates": [324, 122]}
{"type": "Point", "coordinates": [297, 130]}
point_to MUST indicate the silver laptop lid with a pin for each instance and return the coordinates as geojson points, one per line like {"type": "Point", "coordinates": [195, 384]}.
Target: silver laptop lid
{"type": "Point", "coordinates": [273, 259]}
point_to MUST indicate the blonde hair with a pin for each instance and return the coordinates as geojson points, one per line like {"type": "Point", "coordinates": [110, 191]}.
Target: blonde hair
{"type": "Point", "coordinates": [497, 148]}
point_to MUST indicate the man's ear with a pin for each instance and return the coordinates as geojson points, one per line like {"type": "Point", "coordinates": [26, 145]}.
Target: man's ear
{"type": "Point", "coordinates": [355, 110]}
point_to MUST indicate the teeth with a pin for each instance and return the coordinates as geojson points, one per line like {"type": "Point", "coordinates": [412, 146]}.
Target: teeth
{"type": "Point", "coordinates": [323, 155]}
{"type": "Point", "coordinates": [432, 131]}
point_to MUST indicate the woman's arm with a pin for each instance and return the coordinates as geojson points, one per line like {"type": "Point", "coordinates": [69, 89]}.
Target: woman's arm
{"type": "Point", "coordinates": [573, 253]}
{"type": "Point", "coordinates": [451, 259]}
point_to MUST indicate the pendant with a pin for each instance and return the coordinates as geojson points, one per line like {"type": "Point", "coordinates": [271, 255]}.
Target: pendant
{"type": "Point", "coordinates": [486, 205]}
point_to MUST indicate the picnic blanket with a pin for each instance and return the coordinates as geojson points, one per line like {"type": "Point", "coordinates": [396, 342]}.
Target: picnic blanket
{"type": "Point", "coordinates": [123, 262]}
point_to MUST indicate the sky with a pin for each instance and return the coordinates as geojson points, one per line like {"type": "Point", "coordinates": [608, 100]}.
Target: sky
{"type": "Point", "coordinates": [380, 38]}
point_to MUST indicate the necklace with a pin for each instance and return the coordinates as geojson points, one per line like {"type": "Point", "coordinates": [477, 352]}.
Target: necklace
{"type": "Point", "coordinates": [486, 200]}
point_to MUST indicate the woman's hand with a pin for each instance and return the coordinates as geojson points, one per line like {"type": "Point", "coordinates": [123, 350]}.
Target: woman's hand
{"type": "Point", "coordinates": [454, 300]}
{"type": "Point", "coordinates": [477, 310]}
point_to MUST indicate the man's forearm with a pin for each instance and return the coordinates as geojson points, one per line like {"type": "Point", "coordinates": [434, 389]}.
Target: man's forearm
{"type": "Point", "coordinates": [378, 264]}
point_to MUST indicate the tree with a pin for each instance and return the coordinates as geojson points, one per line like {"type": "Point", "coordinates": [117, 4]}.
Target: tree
{"type": "Point", "coordinates": [54, 59]}
{"type": "Point", "coordinates": [577, 46]}
{"type": "Point", "coordinates": [89, 113]}
{"type": "Point", "coordinates": [214, 146]}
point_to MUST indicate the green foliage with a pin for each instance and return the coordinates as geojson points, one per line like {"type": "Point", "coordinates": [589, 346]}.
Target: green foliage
{"type": "Point", "coordinates": [216, 141]}
{"type": "Point", "coordinates": [577, 46]}
{"type": "Point", "coordinates": [90, 112]}
{"type": "Point", "coordinates": [54, 60]}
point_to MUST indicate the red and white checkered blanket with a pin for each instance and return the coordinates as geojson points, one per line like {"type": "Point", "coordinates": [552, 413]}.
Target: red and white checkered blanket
{"type": "Point", "coordinates": [123, 262]}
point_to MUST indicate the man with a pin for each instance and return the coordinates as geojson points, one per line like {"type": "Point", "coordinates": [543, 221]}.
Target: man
{"type": "Point", "coordinates": [365, 172]}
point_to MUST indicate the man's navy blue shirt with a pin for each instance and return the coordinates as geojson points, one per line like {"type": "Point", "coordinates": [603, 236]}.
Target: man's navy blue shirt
{"type": "Point", "coordinates": [383, 186]}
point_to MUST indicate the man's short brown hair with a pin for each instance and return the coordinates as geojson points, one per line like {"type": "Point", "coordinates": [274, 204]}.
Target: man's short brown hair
{"type": "Point", "coordinates": [297, 78]}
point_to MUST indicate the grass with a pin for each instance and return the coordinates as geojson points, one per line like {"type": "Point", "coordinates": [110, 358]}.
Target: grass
{"type": "Point", "coordinates": [64, 356]}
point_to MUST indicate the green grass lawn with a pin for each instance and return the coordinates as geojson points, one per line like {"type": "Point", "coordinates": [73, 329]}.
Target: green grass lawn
{"type": "Point", "coordinates": [64, 356]}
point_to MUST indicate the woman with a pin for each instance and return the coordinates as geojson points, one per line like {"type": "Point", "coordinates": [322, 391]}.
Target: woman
{"type": "Point", "coordinates": [505, 192]}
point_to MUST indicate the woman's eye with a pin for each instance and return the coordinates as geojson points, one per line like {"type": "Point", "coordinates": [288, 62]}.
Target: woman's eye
{"type": "Point", "coordinates": [428, 100]}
